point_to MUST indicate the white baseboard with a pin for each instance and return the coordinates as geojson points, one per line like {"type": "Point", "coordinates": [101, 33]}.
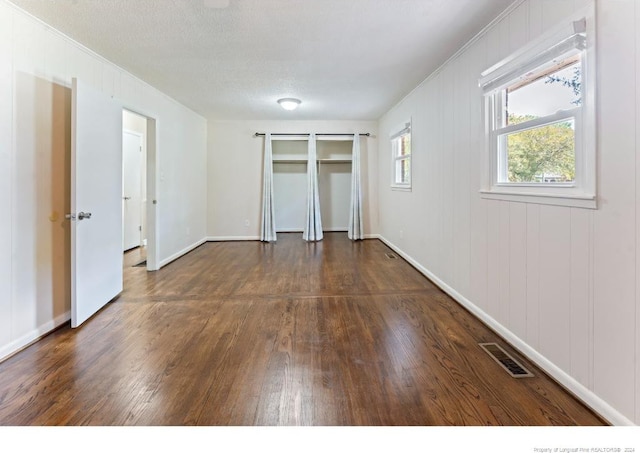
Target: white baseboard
{"type": "Point", "coordinates": [29, 338]}
{"type": "Point", "coordinates": [182, 252]}
{"type": "Point", "coordinates": [257, 238]}
{"type": "Point", "coordinates": [581, 392]}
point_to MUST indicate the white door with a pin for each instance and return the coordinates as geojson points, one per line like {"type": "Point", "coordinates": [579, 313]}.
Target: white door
{"type": "Point", "coordinates": [96, 201]}
{"type": "Point", "coordinates": [132, 189]}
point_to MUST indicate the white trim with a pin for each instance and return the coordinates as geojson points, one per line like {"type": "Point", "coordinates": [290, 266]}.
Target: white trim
{"type": "Point", "coordinates": [578, 201]}
{"type": "Point", "coordinates": [33, 336]}
{"type": "Point", "coordinates": [182, 252]}
{"type": "Point", "coordinates": [555, 45]}
{"type": "Point", "coordinates": [548, 120]}
{"type": "Point", "coordinates": [569, 383]}
{"type": "Point", "coordinates": [400, 131]}
{"type": "Point", "coordinates": [582, 192]}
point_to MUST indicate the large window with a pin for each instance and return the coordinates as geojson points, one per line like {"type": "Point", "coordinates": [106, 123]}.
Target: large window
{"type": "Point", "coordinates": [540, 120]}
{"type": "Point", "coordinates": [401, 157]}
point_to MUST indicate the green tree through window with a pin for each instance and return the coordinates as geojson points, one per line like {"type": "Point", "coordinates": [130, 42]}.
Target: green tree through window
{"type": "Point", "coordinates": [541, 154]}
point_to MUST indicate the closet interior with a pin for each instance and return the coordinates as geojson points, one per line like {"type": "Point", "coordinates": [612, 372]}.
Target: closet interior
{"type": "Point", "coordinates": [290, 182]}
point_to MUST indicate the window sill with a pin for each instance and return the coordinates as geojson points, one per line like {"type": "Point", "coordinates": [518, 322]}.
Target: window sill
{"type": "Point", "coordinates": [554, 199]}
{"type": "Point", "coordinates": [401, 188]}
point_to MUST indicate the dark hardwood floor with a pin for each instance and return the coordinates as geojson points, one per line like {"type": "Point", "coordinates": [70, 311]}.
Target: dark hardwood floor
{"type": "Point", "coordinates": [292, 333]}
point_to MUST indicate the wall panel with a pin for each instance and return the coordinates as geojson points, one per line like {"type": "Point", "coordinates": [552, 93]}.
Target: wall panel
{"type": "Point", "coordinates": [555, 284]}
{"type": "Point", "coordinates": [581, 295]}
{"type": "Point", "coordinates": [38, 64]}
{"type": "Point", "coordinates": [446, 213]}
{"type": "Point", "coordinates": [461, 178]}
{"type": "Point", "coordinates": [517, 296]}
{"type": "Point", "coordinates": [534, 264]}
{"type": "Point", "coordinates": [637, 207]}
{"type": "Point", "coordinates": [6, 170]}
{"type": "Point", "coordinates": [614, 235]}
{"type": "Point", "coordinates": [562, 283]}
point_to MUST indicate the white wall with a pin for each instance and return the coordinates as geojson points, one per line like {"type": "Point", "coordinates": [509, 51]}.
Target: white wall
{"type": "Point", "coordinates": [235, 172]}
{"type": "Point", "coordinates": [37, 64]}
{"type": "Point", "coordinates": [560, 283]}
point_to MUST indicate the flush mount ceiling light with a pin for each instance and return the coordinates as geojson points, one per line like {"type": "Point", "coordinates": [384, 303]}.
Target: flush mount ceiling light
{"type": "Point", "coordinates": [289, 103]}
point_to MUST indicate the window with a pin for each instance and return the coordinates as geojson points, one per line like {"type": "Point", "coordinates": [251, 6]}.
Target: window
{"type": "Point", "coordinates": [401, 156]}
{"type": "Point", "coordinates": [540, 122]}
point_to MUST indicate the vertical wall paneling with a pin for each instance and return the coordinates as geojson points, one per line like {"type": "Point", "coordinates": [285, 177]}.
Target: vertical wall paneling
{"type": "Point", "coordinates": [6, 169]}
{"type": "Point", "coordinates": [435, 174]}
{"type": "Point", "coordinates": [504, 268]}
{"type": "Point", "coordinates": [637, 126]}
{"type": "Point", "coordinates": [533, 265]}
{"type": "Point", "coordinates": [581, 302]}
{"type": "Point", "coordinates": [37, 65]}
{"type": "Point", "coordinates": [519, 27]}
{"type": "Point", "coordinates": [57, 57]}
{"type": "Point", "coordinates": [428, 158]}
{"type": "Point", "coordinates": [535, 21]}
{"type": "Point", "coordinates": [461, 170]}
{"type": "Point", "coordinates": [555, 10]}
{"type": "Point", "coordinates": [28, 119]}
{"type": "Point", "coordinates": [563, 281]}
{"type": "Point", "coordinates": [614, 235]}
{"type": "Point", "coordinates": [517, 296]}
{"type": "Point", "coordinates": [478, 217]}
{"type": "Point", "coordinates": [555, 296]}
{"type": "Point", "coordinates": [420, 165]}
{"type": "Point", "coordinates": [448, 185]}
{"type": "Point", "coordinates": [493, 259]}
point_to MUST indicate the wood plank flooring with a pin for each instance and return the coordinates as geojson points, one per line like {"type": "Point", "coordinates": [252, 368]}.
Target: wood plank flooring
{"type": "Point", "coordinates": [292, 333]}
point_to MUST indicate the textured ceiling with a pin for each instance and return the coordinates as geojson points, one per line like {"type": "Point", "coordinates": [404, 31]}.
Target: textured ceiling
{"type": "Point", "coordinates": [232, 59]}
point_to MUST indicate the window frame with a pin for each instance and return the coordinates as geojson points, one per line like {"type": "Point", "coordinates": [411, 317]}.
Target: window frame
{"type": "Point", "coordinates": [396, 158]}
{"type": "Point", "coordinates": [566, 40]}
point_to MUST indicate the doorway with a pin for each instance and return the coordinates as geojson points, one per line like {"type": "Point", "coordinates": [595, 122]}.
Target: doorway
{"type": "Point", "coordinates": [138, 200]}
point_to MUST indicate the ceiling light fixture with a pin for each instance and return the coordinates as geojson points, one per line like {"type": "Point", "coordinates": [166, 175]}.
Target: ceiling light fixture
{"type": "Point", "coordinates": [289, 103]}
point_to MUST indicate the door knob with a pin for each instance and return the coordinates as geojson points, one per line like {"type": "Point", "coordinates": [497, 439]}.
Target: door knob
{"type": "Point", "coordinates": [126, 198]}
{"type": "Point", "coordinates": [84, 215]}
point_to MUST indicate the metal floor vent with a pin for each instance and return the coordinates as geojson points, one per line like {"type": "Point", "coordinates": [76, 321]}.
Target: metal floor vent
{"type": "Point", "coordinates": [513, 367]}
{"type": "Point", "coordinates": [391, 256]}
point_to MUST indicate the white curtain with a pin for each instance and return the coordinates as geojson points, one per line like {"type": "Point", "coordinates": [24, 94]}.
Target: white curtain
{"type": "Point", "coordinates": [268, 228]}
{"type": "Point", "coordinates": [356, 229]}
{"type": "Point", "coordinates": [313, 223]}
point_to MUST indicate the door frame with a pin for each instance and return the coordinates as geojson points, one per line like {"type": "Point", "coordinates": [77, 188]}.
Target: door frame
{"type": "Point", "coordinates": [151, 167]}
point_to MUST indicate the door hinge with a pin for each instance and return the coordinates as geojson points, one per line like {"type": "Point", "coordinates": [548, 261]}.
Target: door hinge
{"type": "Point", "coordinates": [139, 227]}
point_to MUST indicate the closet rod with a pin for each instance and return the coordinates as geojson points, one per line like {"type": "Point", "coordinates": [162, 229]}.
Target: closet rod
{"type": "Point", "coordinates": [261, 134]}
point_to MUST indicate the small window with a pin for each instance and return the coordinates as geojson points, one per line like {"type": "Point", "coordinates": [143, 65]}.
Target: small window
{"type": "Point", "coordinates": [401, 156]}
{"type": "Point", "coordinates": [540, 121]}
